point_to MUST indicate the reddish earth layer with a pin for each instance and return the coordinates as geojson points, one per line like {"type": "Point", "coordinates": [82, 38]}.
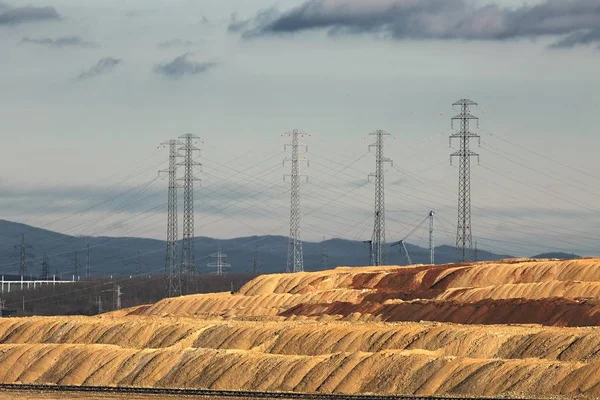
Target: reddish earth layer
{"type": "Point", "coordinates": [553, 312]}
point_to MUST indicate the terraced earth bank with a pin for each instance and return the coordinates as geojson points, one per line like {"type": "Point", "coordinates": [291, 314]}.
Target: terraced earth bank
{"type": "Point", "coordinates": [513, 328]}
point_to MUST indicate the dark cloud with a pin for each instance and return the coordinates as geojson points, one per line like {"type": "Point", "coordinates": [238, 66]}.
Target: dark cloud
{"type": "Point", "coordinates": [178, 43]}
{"type": "Point", "coordinates": [427, 19]}
{"type": "Point", "coordinates": [18, 15]}
{"type": "Point", "coordinates": [585, 37]}
{"type": "Point", "coordinates": [103, 66]}
{"type": "Point", "coordinates": [63, 41]}
{"type": "Point", "coordinates": [181, 66]}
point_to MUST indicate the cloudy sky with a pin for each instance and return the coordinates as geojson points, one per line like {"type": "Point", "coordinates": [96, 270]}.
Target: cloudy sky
{"type": "Point", "coordinates": [92, 88]}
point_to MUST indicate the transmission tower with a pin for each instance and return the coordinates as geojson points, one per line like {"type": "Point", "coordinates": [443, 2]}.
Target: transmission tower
{"type": "Point", "coordinates": [378, 245]}
{"type": "Point", "coordinates": [219, 265]}
{"type": "Point", "coordinates": [255, 263]}
{"type": "Point", "coordinates": [295, 261]}
{"type": "Point", "coordinates": [187, 251]}
{"type": "Point", "coordinates": [75, 265]}
{"type": "Point", "coordinates": [431, 239]}
{"type": "Point", "coordinates": [172, 270]}
{"type": "Point", "coordinates": [370, 243]}
{"type": "Point", "coordinates": [22, 255]}
{"type": "Point", "coordinates": [45, 268]}
{"type": "Point", "coordinates": [324, 255]}
{"type": "Point", "coordinates": [87, 263]}
{"type": "Point", "coordinates": [464, 237]}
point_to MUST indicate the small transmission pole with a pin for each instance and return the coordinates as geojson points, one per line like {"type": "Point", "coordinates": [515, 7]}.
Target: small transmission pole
{"type": "Point", "coordinates": [295, 261]}
{"type": "Point", "coordinates": [76, 266]}
{"type": "Point", "coordinates": [87, 263]}
{"type": "Point", "coordinates": [378, 253]}
{"type": "Point", "coordinates": [22, 255]}
{"type": "Point", "coordinates": [187, 251]}
{"type": "Point", "coordinates": [172, 270]}
{"type": "Point", "coordinates": [431, 239]}
{"type": "Point", "coordinates": [255, 263]}
{"type": "Point", "coordinates": [464, 237]}
{"type": "Point", "coordinates": [45, 268]}
{"type": "Point", "coordinates": [219, 265]}
{"type": "Point", "coordinates": [324, 256]}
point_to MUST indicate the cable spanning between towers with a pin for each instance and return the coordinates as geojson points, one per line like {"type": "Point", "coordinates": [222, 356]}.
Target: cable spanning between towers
{"type": "Point", "coordinates": [295, 260]}
{"type": "Point", "coordinates": [378, 239]}
{"type": "Point", "coordinates": [464, 236]}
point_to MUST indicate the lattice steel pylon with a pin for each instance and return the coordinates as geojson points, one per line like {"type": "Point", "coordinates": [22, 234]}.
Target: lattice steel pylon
{"type": "Point", "coordinates": [295, 260]}
{"type": "Point", "coordinates": [464, 237]}
{"type": "Point", "coordinates": [219, 265]}
{"type": "Point", "coordinates": [324, 255]}
{"type": "Point", "coordinates": [87, 263]}
{"type": "Point", "coordinates": [188, 259]}
{"type": "Point", "coordinates": [172, 268]}
{"type": "Point", "coordinates": [431, 238]}
{"type": "Point", "coordinates": [45, 268]}
{"type": "Point", "coordinates": [22, 256]}
{"type": "Point", "coordinates": [378, 239]}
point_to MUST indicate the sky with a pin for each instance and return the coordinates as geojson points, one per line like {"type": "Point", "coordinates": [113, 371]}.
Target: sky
{"type": "Point", "coordinates": [92, 88]}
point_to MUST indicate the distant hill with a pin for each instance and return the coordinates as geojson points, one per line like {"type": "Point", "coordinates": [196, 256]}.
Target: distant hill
{"type": "Point", "coordinates": [117, 255]}
{"type": "Point", "coordinates": [558, 255]}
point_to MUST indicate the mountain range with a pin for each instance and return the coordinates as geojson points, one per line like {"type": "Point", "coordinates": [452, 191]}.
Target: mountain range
{"type": "Point", "coordinates": [119, 255]}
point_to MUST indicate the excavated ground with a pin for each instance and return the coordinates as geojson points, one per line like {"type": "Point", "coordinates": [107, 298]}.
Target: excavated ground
{"type": "Point", "coordinates": [348, 330]}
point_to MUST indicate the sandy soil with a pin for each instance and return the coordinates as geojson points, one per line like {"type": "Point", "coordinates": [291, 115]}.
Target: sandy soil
{"type": "Point", "coordinates": [331, 332]}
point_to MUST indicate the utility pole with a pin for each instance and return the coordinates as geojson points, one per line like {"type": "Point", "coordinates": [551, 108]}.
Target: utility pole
{"type": "Point", "coordinates": [219, 266]}
{"type": "Point", "coordinates": [187, 251]}
{"type": "Point", "coordinates": [45, 268]}
{"type": "Point", "coordinates": [378, 253]}
{"type": "Point", "coordinates": [172, 270]}
{"type": "Point", "coordinates": [295, 261]}
{"type": "Point", "coordinates": [22, 256]}
{"type": "Point", "coordinates": [324, 256]}
{"type": "Point", "coordinates": [431, 238]}
{"type": "Point", "coordinates": [87, 263]}
{"type": "Point", "coordinates": [75, 265]}
{"type": "Point", "coordinates": [464, 237]}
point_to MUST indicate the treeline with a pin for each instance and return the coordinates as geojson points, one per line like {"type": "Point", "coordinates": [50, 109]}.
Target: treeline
{"type": "Point", "coordinates": [91, 297]}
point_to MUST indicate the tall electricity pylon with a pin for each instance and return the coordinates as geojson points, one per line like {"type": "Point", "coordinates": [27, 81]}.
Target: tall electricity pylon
{"type": "Point", "coordinates": [464, 237]}
{"type": "Point", "coordinates": [431, 239]}
{"type": "Point", "coordinates": [295, 260]}
{"type": "Point", "coordinates": [219, 265]}
{"type": "Point", "coordinates": [188, 259]}
{"type": "Point", "coordinates": [22, 255]}
{"type": "Point", "coordinates": [172, 270]}
{"type": "Point", "coordinates": [378, 244]}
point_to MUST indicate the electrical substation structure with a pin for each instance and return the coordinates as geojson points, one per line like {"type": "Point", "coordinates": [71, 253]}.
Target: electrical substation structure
{"type": "Point", "coordinates": [378, 239]}
{"type": "Point", "coordinates": [295, 260]}
{"type": "Point", "coordinates": [188, 259]}
{"type": "Point", "coordinates": [172, 268]}
{"type": "Point", "coordinates": [464, 236]}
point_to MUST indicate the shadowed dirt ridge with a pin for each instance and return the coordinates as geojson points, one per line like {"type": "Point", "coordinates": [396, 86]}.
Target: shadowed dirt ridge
{"type": "Point", "coordinates": [350, 330]}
